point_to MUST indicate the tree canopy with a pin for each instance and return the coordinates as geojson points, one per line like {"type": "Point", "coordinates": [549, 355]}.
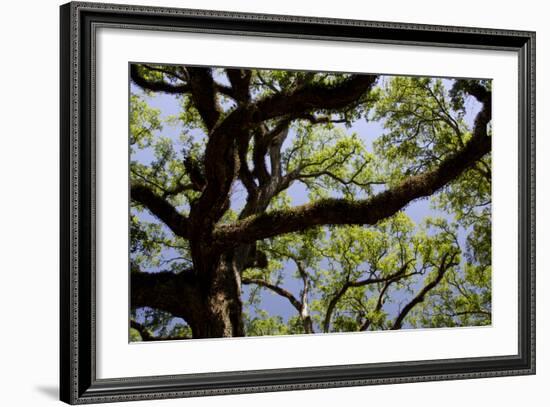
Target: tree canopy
{"type": "Point", "coordinates": [215, 227]}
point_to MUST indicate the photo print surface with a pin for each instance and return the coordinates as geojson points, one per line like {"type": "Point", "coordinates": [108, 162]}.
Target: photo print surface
{"type": "Point", "coordinates": [276, 202]}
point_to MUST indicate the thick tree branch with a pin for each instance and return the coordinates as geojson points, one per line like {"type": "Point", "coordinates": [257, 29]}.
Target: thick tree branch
{"type": "Point", "coordinates": [155, 85]}
{"type": "Point", "coordinates": [269, 141]}
{"type": "Point", "coordinates": [314, 97]}
{"type": "Point", "coordinates": [203, 92]}
{"type": "Point", "coordinates": [275, 154]}
{"type": "Point", "coordinates": [222, 164]}
{"type": "Point", "coordinates": [240, 83]}
{"type": "Point", "coordinates": [255, 259]}
{"type": "Point", "coordinates": [369, 211]}
{"type": "Point", "coordinates": [245, 175]}
{"type": "Point", "coordinates": [225, 159]}
{"type": "Point", "coordinates": [221, 168]}
{"type": "Point", "coordinates": [161, 208]}
{"type": "Point", "coordinates": [258, 155]}
{"type": "Point", "coordinates": [139, 79]}
{"type": "Point", "coordinates": [195, 172]}
{"type": "Point", "coordinates": [166, 291]}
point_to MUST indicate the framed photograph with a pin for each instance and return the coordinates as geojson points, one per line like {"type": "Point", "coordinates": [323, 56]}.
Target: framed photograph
{"type": "Point", "coordinates": [254, 203]}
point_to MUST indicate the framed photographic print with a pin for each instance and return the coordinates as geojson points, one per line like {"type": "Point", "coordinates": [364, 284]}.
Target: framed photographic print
{"type": "Point", "coordinates": [256, 203]}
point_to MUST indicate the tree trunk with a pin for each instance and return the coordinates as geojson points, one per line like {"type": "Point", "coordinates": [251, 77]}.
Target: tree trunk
{"type": "Point", "coordinates": [220, 313]}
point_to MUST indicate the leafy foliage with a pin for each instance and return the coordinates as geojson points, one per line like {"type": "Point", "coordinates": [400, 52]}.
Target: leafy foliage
{"type": "Point", "coordinates": [435, 272]}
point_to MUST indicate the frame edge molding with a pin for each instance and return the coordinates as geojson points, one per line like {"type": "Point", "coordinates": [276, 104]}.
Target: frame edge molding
{"type": "Point", "coordinates": [78, 384]}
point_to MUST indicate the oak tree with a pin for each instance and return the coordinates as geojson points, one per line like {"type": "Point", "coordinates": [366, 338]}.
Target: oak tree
{"type": "Point", "coordinates": [351, 249]}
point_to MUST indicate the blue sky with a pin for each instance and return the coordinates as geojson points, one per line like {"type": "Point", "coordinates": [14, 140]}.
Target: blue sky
{"type": "Point", "coordinates": [367, 131]}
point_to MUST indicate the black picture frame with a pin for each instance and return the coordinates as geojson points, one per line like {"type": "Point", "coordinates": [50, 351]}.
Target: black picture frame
{"type": "Point", "coordinates": [78, 382]}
